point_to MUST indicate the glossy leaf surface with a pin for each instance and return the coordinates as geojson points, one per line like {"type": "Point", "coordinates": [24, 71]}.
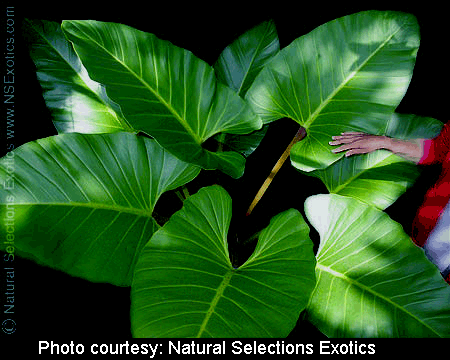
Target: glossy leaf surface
{"type": "Point", "coordinates": [243, 60]}
{"type": "Point", "coordinates": [186, 286]}
{"type": "Point", "coordinates": [77, 103]}
{"type": "Point", "coordinates": [347, 75]}
{"type": "Point", "coordinates": [372, 281]}
{"type": "Point", "coordinates": [164, 91]}
{"type": "Point", "coordinates": [379, 178]}
{"type": "Point", "coordinates": [238, 66]}
{"type": "Point", "coordinates": [83, 203]}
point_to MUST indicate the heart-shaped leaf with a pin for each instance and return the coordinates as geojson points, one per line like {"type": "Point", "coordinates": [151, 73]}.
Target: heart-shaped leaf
{"type": "Point", "coordinates": [379, 178]}
{"type": "Point", "coordinates": [243, 60]}
{"type": "Point", "coordinates": [185, 285]}
{"type": "Point", "coordinates": [77, 103]}
{"type": "Point", "coordinates": [372, 281]}
{"type": "Point", "coordinates": [238, 66]}
{"type": "Point", "coordinates": [83, 203]}
{"type": "Point", "coordinates": [164, 91]}
{"type": "Point", "coordinates": [347, 75]}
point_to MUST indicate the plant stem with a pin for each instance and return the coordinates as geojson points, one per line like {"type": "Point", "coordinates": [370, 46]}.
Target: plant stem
{"type": "Point", "coordinates": [220, 141]}
{"type": "Point", "coordinates": [185, 191]}
{"type": "Point", "coordinates": [301, 133]}
{"type": "Point", "coordinates": [179, 195]}
{"type": "Point", "coordinates": [182, 193]}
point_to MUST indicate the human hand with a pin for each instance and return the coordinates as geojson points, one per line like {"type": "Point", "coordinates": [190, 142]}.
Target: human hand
{"type": "Point", "coordinates": [358, 143]}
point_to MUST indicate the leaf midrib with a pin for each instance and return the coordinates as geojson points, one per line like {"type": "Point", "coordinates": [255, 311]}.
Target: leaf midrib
{"type": "Point", "coordinates": [95, 206]}
{"type": "Point", "coordinates": [149, 87]}
{"type": "Point", "coordinates": [257, 50]}
{"type": "Point", "coordinates": [338, 188]}
{"type": "Point", "coordinates": [122, 122]}
{"type": "Point", "coordinates": [371, 291]}
{"type": "Point", "coordinates": [319, 109]}
{"type": "Point", "coordinates": [219, 292]}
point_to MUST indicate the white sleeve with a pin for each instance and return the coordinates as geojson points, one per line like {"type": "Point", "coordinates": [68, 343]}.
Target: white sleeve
{"type": "Point", "coordinates": [437, 247]}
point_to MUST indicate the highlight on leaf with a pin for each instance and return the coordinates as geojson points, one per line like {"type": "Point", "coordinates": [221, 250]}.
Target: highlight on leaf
{"type": "Point", "coordinates": [84, 203]}
{"type": "Point", "coordinates": [346, 75]}
{"type": "Point", "coordinates": [381, 177]}
{"type": "Point", "coordinates": [77, 103]}
{"type": "Point", "coordinates": [186, 286]}
{"type": "Point", "coordinates": [372, 281]}
{"type": "Point", "coordinates": [139, 117]}
{"type": "Point", "coordinates": [164, 91]}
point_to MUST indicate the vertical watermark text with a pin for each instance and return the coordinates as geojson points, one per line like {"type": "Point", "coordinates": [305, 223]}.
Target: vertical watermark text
{"type": "Point", "coordinates": [8, 323]}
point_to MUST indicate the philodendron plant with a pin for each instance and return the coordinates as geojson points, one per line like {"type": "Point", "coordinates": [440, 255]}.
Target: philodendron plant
{"type": "Point", "coordinates": [138, 117]}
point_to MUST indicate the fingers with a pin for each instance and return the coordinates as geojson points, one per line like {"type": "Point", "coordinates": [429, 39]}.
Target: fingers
{"type": "Point", "coordinates": [338, 140]}
{"type": "Point", "coordinates": [347, 138]}
{"type": "Point", "coordinates": [343, 148]}
{"type": "Point", "coordinates": [352, 150]}
{"type": "Point", "coordinates": [356, 143]}
{"type": "Point", "coordinates": [353, 133]}
{"type": "Point", "coordinates": [350, 135]}
{"type": "Point", "coordinates": [356, 151]}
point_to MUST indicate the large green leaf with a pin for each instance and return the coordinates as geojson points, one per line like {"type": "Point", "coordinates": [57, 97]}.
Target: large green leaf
{"type": "Point", "coordinates": [348, 74]}
{"type": "Point", "coordinates": [372, 281]}
{"type": "Point", "coordinates": [185, 285]}
{"type": "Point", "coordinates": [164, 91]}
{"type": "Point", "coordinates": [238, 66]}
{"type": "Point", "coordinates": [379, 178]}
{"type": "Point", "coordinates": [242, 61]}
{"type": "Point", "coordinates": [77, 103]}
{"type": "Point", "coordinates": [84, 203]}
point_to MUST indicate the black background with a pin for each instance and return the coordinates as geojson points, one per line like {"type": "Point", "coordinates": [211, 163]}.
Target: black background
{"type": "Point", "coordinates": [50, 304]}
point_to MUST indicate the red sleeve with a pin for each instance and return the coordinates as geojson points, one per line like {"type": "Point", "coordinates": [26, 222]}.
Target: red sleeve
{"type": "Point", "coordinates": [436, 149]}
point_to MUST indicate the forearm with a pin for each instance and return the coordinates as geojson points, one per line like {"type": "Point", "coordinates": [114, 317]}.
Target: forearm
{"type": "Point", "coordinates": [361, 143]}
{"type": "Point", "coordinates": [411, 150]}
